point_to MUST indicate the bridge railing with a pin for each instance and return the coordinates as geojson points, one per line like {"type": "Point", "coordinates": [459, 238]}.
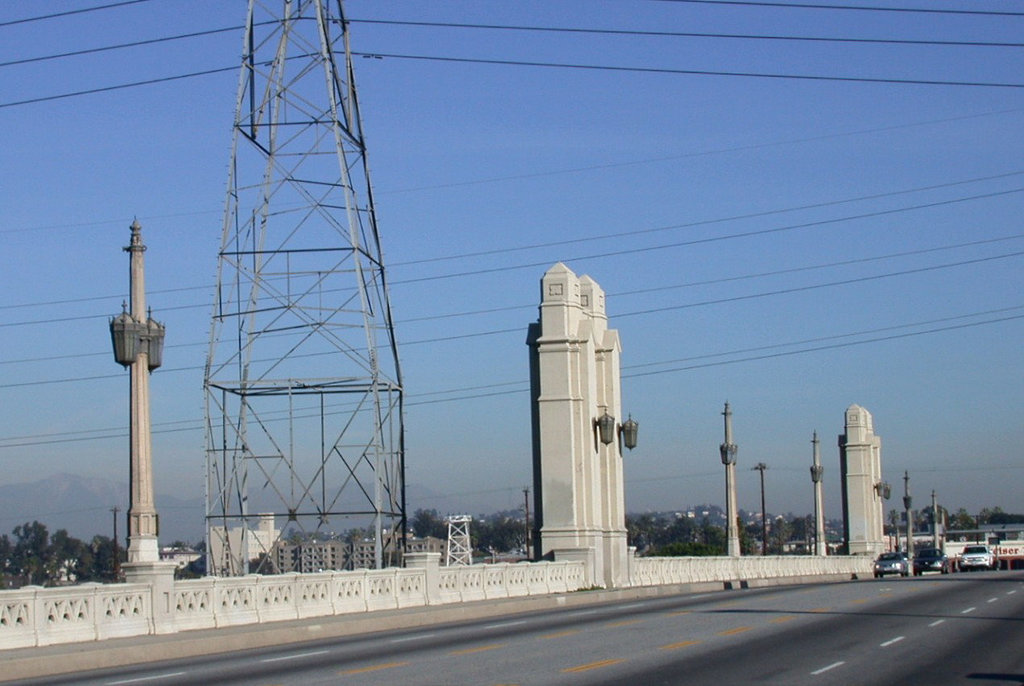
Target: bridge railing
{"type": "Point", "coordinates": [37, 616]}
{"type": "Point", "coordinates": [659, 571]}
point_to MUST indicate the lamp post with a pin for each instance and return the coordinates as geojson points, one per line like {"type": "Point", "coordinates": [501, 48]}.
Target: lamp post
{"type": "Point", "coordinates": [760, 467]}
{"type": "Point", "coordinates": [728, 451]}
{"type": "Point", "coordinates": [138, 345]}
{"type": "Point", "coordinates": [817, 472]}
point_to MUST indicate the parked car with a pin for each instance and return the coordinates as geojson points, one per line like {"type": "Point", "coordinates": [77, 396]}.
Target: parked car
{"type": "Point", "coordinates": [978, 557]}
{"type": "Point", "coordinates": [930, 560]}
{"type": "Point", "coordinates": [892, 563]}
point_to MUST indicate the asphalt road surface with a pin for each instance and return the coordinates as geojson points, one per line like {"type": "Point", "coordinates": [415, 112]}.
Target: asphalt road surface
{"type": "Point", "coordinates": [949, 629]}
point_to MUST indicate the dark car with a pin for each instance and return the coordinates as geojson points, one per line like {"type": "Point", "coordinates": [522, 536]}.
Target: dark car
{"type": "Point", "coordinates": [892, 563]}
{"type": "Point", "coordinates": [930, 560]}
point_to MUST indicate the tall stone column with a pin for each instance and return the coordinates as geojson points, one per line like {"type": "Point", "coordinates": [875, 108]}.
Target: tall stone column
{"type": "Point", "coordinates": [578, 483]}
{"type": "Point", "coordinates": [817, 471]}
{"type": "Point", "coordinates": [728, 451]}
{"type": "Point", "coordinates": [138, 345]}
{"type": "Point", "coordinates": [860, 463]}
{"type": "Point", "coordinates": [142, 521]}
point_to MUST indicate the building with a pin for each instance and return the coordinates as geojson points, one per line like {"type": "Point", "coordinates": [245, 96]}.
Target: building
{"type": "Point", "coordinates": [230, 549]}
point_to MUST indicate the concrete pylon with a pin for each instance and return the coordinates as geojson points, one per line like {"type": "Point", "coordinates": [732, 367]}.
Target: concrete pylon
{"type": "Point", "coordinates": [728, 451]}
{"type": "Point", "coordinates": [578, 484]}
{"type": "Point", "coordinates": [817, 472]}
{"type": "Point", "coordinates": [860, 464]}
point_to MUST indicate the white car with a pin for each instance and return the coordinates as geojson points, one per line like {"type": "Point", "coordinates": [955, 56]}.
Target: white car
{"type": "Point", "coordinates": [978, 557]}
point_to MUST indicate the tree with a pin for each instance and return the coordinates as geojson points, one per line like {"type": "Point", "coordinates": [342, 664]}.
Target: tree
{"type": "Point", "coordinates": [29, 553]}
{"type": "Point", "coordinates": [428, 523]}
{"type": "Point", "coordinates": [962, 520]}
{"type": "Point", "coordinates": [67, 559]}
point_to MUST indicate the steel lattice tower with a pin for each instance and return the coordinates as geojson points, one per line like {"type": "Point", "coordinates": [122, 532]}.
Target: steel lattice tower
{"type": "Point", "coordinates": [302, 384]}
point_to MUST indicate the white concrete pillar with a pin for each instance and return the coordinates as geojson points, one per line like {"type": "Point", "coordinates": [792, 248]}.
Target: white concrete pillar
{"type": "Point", "coordinates": [860, 463]}
{"type": "Point", "coordinates": [578, 482]}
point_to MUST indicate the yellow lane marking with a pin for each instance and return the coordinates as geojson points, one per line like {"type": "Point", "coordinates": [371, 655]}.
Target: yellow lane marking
{"type": "Point", "coordinates": [680, 613]}
{"type": "Point", "coordinates": [860, 600]}
{"type": "Point", "coordinates": [783, 618]}
{"type": "Point", "coordinates": [373, 668]}
{"type": "Point", "coordinates": [681, 644]}
{"type": "Point", "coordinates": [593, 665]}
{"type": "Point", "coordinates": [821, 609]}
{"type": "Point", "coordinates": [562, 634]}
{"type": "Point", "coordinates": [478, 649]}
{"type": "Point", "coordinates": [737, 630]}
{"type": "Point", "coordinates": [626, 622]}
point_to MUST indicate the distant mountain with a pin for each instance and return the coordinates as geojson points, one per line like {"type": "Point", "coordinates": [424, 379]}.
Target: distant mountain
{"type": "Point", "coordinates": [82, 505]}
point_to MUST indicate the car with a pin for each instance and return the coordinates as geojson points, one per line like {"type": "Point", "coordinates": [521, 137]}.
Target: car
{"type": "Point", "coordinates": [930, 560]}
{"type": "Point", "coordinates": [892, 563]}
{"type": "Point", "coordinates": [978, 557]}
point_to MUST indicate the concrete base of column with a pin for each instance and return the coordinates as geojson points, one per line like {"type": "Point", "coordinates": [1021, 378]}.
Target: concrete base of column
{"type": "Point", "coordinates": [159, 576]}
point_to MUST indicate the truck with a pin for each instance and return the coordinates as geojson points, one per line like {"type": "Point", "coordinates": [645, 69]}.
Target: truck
{"type": "Point", "coordinates": [978, 556]}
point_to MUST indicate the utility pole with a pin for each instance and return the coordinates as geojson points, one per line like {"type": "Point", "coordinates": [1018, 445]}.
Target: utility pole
{"type": "Point", "coordinates": [117, 555]}
{"type": "Point", "coordinates": [907, 502]}
{"type": "Point", "coordinates": [935, 521]}
{"type": "Point", "coordinates": [526, 508]}
{"type": "Point", "coordinates": [760, 467]}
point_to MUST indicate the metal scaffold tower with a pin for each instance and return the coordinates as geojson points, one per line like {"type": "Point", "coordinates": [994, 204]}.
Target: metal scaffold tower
{"type": "Point", "coordinates": [304, 421]}
{"type": "Point", "coordinates": [459, 548]}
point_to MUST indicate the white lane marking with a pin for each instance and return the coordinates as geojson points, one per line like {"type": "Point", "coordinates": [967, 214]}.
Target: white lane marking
{"type": "Point", "coordinates": [891, 641]}
{"type": "Point", "coordinates": [296, 656]}
{"type": "Point", "coordinates": [505, 624]}
{"type": "Point", "coordinates": [1010, 592]}
{"type": "Point", "coordinates": [970, 609]}
{"type": "Point", "coordinates": [417, 637]}
{"type": "Point", "coordinates": [937, 622]}
{"type": "Point", "coordinates": [992, 600]}
{"type": "Point", "coordinates": [583, 612]}
{"type": "Point", "coordinates": [631, 606]}
{"type": "Point", "coordinates": [145, 678]}
{"type": "Point", "coordinates": [825, 669]}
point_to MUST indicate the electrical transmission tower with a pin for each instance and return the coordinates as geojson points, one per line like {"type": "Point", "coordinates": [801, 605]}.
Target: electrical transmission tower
{"type": "Point", "coordinates": [303, 387]}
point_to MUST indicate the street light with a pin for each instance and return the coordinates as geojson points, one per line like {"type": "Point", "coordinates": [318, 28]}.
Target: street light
{"type": "Point", "coordinates": [608, 430]}
{"type": "Point", "coordinates": [728, 451]}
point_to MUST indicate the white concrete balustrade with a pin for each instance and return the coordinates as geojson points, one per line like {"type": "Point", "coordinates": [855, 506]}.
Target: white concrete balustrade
{"type": "Point", "coordinates": [36, 616]}
{"type": "Point", "coordinates": [660, 571]}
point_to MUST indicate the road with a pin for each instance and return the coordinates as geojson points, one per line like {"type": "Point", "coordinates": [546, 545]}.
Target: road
{"type": "Point", "coordinates": [952, 629]}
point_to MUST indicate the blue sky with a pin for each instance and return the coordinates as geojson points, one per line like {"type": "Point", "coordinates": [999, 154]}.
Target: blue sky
{"type": "Point", "coordinates": [790, 245]}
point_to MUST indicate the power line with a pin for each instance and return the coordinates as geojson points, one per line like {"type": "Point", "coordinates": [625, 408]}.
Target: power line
{"type": "Point", "coordinates": [550, 65]}
{"type": "Point", "coordinates": [106, 89]}
{"type": "Point", "coordinates": [69, 436]}
{"type": "Point", "coordinates": [856, 8]}
{"type": "Point", "coordinates": [118, 46]}
{"type": "Point", "coordinates": [688, 34]}
{"type": "Point", "coordinates": [686, 72]}
{"type": "Point", "coordinates": [68, 13]}
{"type": "Point", "coordinates": [621, 315]}
{"type": "Point", "coordinates": [714, 239]}
{"type": "Point", "coordinates": [705, 222]}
